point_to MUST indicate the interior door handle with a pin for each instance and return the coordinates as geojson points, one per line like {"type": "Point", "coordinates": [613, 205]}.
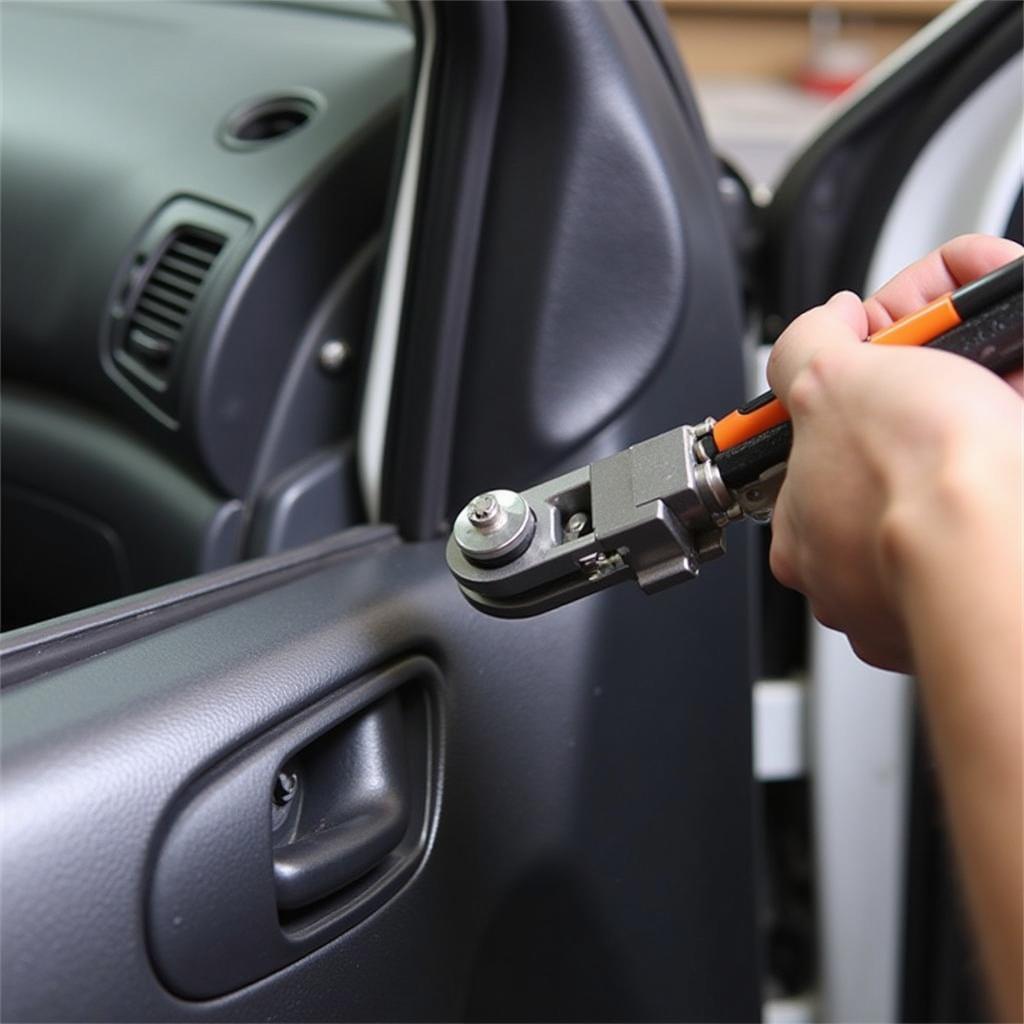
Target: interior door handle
{"type": "Point", "coordinates": [244, 849]}
{"type": "Point", "coordinates": [353, 807]}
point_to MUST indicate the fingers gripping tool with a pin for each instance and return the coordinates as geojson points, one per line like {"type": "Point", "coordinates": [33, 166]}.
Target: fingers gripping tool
{"type": "Point", "coordinates": [656, 512]}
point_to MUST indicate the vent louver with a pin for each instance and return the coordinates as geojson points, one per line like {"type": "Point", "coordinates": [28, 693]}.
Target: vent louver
{"type": "Point", "coordinates": [168, 294]}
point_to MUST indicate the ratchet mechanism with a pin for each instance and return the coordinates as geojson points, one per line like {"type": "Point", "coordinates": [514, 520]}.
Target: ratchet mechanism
{"type": "Point", "coordinates": [657, 511]}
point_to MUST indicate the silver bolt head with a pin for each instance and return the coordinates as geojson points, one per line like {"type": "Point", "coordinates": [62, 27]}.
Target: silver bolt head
{"type": "Point", "coordinates": [483, 510]}
{"type": "Point", "coordinates": [494, 527]}
{"type": "Point", "coordinates": [576, 524]}
{"type": "Point", "coordinates": [335, 355]}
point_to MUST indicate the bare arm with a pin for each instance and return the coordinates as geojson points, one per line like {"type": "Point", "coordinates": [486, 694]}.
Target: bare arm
{"type": "Point", "coordinates": [901, 519]}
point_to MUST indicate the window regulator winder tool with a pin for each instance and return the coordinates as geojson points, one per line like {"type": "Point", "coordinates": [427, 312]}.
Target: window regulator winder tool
{"type": "Point", "coordinates": [658, 510]}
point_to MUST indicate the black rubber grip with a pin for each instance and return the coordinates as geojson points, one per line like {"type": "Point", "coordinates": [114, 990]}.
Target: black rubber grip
{"type": "Point", "coordinates": [745, 462]}
{"type": "Point", "coordinates": [978, 296]}
{"type": "Point", "coordinates": [994, 339]}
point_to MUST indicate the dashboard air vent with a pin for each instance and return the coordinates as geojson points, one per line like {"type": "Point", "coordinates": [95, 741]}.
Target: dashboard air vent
{"type": "Point", "coordinates": [164, 302]}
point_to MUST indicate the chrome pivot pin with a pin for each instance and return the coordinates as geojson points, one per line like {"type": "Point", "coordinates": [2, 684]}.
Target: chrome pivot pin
{"type": "Point", "coordinates": [494, 527]}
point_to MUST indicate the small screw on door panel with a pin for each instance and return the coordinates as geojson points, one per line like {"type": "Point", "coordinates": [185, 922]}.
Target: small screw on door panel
{"type": "Point", "coordinates": [335, 355]}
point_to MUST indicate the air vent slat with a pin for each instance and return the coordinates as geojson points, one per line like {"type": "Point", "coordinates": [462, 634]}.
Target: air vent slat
{"type": "Point", "coordinates": [169, 297]}
{"type": "Point", "coordinates": [192, 252]}
{"type": "Point", "coordinates": [211, 244]}
{"type": "Point", "coordinates": [155, 325]}
{"type": "Point", "coordinates": [184, 285]}
{"type": "Point", "coordinates": [173, 321]}
{"type": "Point", "coordinates": [164, 303]}
{"type": "Point", "coordinates": [190, 270]}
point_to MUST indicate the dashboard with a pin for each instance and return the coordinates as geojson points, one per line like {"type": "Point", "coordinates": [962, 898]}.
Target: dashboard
{"type": "Point", "coordinates": [194, 197]}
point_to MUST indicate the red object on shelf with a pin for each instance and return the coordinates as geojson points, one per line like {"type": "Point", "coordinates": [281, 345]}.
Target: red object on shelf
{"type": "Point", "coordinates": [824, 83]}
{"type": "Point", "coordinates": [834, 62]}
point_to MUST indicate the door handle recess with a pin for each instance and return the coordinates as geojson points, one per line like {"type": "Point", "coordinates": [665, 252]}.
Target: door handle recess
{"type": "Point", "coordinates": [352, 808]}
{"type": "Point", "coordinates": [252, 874]}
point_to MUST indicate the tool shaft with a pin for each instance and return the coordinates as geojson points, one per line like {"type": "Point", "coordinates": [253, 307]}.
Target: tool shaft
{"type": "Point", "coordinates": [984, 322]}
{"type": "Point", "coordinates": [923, 327]}
{"type": "Point", "coordinates": [657, 511]}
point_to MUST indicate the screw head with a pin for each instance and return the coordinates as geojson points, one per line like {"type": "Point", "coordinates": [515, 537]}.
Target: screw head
{"type": "Point", "coordinates": [483, 510]}
{"type": "Point", "coordinates": [576, 524]}
{"type": "Point", "coordinates": [286, 785]}
{"type": "Point", "coordinates": [335, 355]}
{"type": "Point", "coordinates": [494, 527]}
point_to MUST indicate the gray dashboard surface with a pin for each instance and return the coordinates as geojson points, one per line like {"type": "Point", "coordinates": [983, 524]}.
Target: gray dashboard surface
{"type": "Point", "coordinates": [110, 109]}
{"type": "Point", "coordinates": [112, 138]}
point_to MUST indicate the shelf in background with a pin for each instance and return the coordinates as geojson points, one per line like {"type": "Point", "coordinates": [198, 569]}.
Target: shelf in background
{"type": "Point", "coordinates": [916, 10]}
{"type": "Point", "coordinates": [772, 38]}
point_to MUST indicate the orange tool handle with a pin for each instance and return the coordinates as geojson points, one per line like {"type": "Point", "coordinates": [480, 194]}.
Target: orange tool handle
{"type": "Point", "coordinates": [766, 411]}
{"type": "Point", "coordinates": [921, 328]}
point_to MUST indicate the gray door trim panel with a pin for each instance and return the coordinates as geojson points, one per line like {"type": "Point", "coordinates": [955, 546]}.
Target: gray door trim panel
{"type": "Point", "coordinates": [47, 646]}
{"type": "Point", "coordinates": [571, 819]}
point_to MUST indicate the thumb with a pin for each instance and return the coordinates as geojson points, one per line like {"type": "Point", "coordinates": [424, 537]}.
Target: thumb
{"type": "Point", "coordinates": [840, 321]}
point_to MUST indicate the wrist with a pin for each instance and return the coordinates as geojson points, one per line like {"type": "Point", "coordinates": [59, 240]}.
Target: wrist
{"type": "Point", "coordinates": [952, 539]}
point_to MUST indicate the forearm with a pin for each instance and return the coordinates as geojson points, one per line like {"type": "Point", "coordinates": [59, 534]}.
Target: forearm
{"type": "Point", "coordinates": [959, 574]}
{"type": "Point", "coordinates": [901, 521]}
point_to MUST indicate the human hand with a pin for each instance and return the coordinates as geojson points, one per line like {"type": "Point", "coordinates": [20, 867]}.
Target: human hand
{"type": "Point", "coordinates": [887, 441]}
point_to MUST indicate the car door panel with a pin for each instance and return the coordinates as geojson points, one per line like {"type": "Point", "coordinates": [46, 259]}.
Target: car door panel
{"type": "Point", "coordinates": [558, 843]}
{"type": "Point", "coordinates": [587, 804]}
{"type": "Point", "coordinates": [598, 300]}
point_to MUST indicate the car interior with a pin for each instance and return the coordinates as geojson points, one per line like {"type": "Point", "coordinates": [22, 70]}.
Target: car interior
{"type": "Point", "coordinates": [284, 285]}
{"type": "Point", "coordinates": [194, 201]}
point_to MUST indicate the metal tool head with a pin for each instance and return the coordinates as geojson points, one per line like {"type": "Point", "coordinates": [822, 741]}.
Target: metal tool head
{"type": "Point", "coordinates": [494, 528]}
{"type": "Point", "coordinates": [652, 513]}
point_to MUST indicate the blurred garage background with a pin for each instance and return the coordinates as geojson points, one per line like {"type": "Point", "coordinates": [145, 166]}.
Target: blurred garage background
{"type": "Point", "coordinates": [766, 69]}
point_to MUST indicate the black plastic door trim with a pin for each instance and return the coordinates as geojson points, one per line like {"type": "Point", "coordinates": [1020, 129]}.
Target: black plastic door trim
{"type": "Point", "coordinates": [49, 646]}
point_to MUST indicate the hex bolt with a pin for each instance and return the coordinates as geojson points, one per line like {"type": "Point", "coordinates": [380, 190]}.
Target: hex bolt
{"type": "Point", "coordinates": [577, 524]}
{"type": "Point", "coordinates": [286, 785]}
{"type": "Point", "coordinates": [335, 355]}
{"type": "Point", "coordinates": [495, 526]}
{"type": "Point", "coordinates": [483, 510]}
